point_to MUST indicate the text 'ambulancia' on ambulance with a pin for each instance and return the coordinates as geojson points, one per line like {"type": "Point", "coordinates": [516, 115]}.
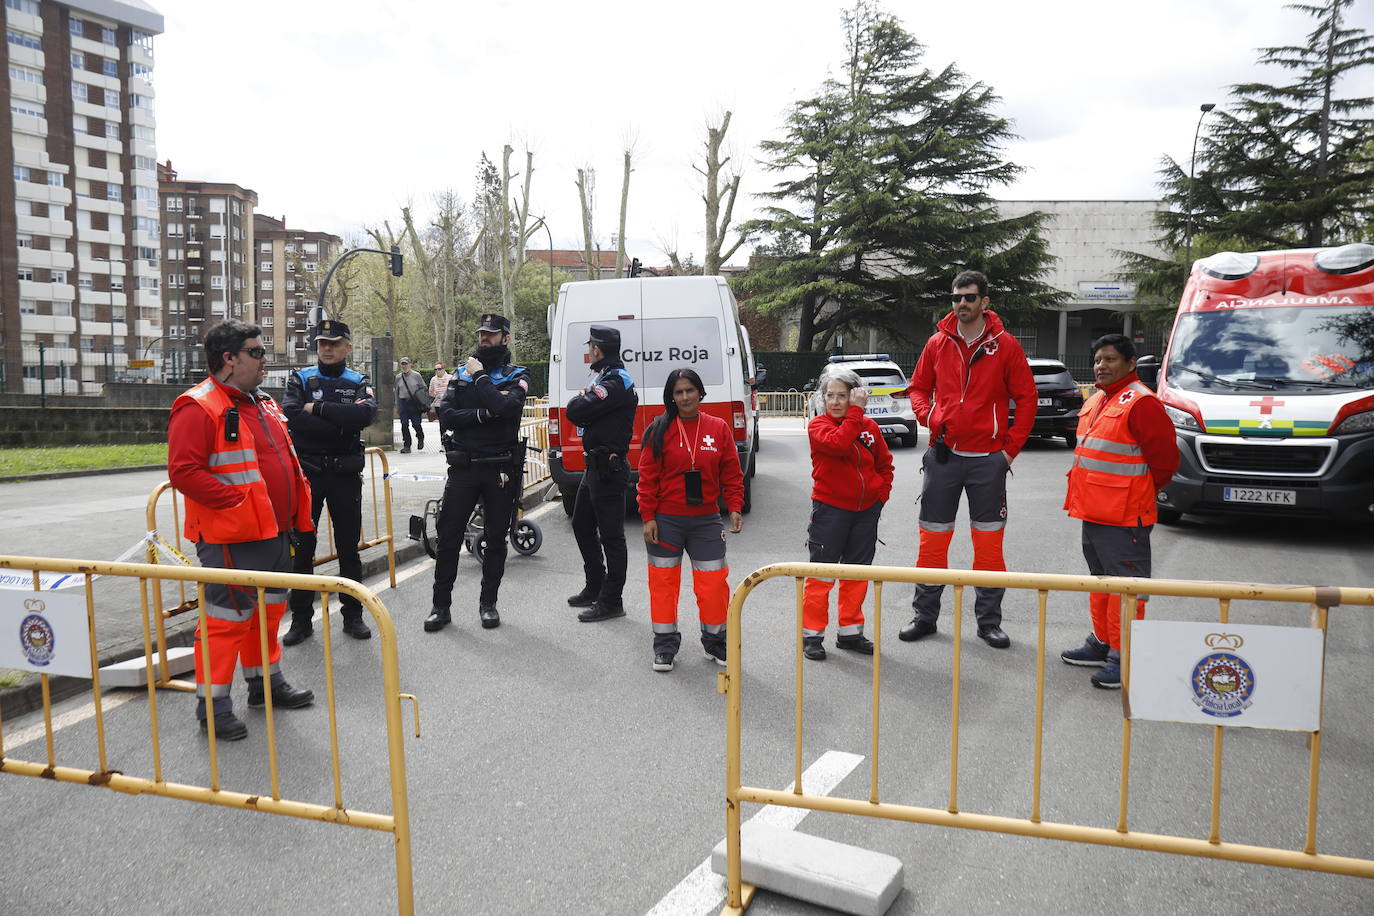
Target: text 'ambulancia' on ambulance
{"type": "Point", "coordinates": [1269, 379]}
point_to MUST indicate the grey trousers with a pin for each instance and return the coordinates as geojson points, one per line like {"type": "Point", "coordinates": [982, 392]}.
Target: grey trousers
{"type": "Point", "coordinates": [984, 479]}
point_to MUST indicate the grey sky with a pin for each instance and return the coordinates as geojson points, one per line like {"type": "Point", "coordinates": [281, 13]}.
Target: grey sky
{"type": "Point", "coordinates": [338, 113]}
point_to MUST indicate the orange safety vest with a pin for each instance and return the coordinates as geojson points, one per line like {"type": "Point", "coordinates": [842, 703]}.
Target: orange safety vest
{"type": "Point", "coordinates": [236, 464]}
{"type": "Point", "coordinates": [1109, 481]}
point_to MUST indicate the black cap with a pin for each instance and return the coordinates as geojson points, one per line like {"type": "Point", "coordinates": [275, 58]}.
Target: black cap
{"type": "Point", "coordinates": [608, 339]}
{"type": "Point", "coordinates": [330, 329]}
{"type": "Point", "coordinates": [495, 321]}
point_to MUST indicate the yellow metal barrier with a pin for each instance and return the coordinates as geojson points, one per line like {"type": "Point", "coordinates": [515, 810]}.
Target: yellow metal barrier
{"type": "Point", "coordinates": [534, 429]}
{"type": "Point", "coordinates": [783, 403]}
{"type": "Point", "coordinates": [1319, 599]}
{"type": "Point", "coordinates": [396, 823]}
{"type": "Point", "coordinates": [178, 548]}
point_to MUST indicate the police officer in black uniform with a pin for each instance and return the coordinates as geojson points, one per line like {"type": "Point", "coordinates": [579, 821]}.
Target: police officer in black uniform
{"type": "Point", "coordinates": [606, 414]}
{"type": "Point", "coordinates": [327, 406]}
{"type": "Point", "coordinates": [480, 419]}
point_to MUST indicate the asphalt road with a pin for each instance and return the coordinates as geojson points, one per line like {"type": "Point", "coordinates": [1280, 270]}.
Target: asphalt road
{"type": "Point", "coordinates": [558, 774]}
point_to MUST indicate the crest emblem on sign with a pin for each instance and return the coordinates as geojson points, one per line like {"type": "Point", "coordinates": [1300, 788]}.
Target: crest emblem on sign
{"type": "Point", "coordinates": [36, 637]}
{"type": "Point", "coordinates": [1223, 684]}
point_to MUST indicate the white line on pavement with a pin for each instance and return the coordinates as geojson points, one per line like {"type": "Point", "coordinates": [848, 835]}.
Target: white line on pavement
{"type": "Point", "coordinates": [69, 717]}
{"type": "Point", "coordinates": [703, 890]}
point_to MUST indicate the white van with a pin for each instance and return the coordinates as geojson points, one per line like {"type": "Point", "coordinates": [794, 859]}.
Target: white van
{"type": "Point", "coordinates": [665, 323]}
{"type": "Point", "coordinates": [1269, 379]}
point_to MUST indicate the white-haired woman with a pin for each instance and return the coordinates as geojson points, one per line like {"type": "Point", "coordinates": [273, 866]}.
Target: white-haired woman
{"type": "Point", "coordinates": [852, 469]}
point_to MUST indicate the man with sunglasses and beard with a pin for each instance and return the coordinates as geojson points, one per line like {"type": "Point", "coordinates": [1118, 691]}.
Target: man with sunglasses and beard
{"type": "Point", "coordinates": [968, 373]}
{"type": "Point", "coordinates": [230, 455]}
{"type": "Point", "coordinates": [480, 419]}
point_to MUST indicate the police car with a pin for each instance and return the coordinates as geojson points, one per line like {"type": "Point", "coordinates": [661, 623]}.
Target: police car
{"type": "Point", "coordinates": [888, 404]}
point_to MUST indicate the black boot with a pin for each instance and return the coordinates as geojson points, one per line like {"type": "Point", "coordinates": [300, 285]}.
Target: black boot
{"type": "Point", "coordinates": [301, 630]}
{"type": "Point", "coordinates": [284, 696]}
{"type": "Point", "coordinates": [438, 619]}
{"type": "Point", "coordinates": [602, 610]}
{"type": "Point", "coordinates": [486, 612]}
{"type": "Point", "coordinates": [228, 727]}
{"type": "Point", "coordinates": [586, 597]}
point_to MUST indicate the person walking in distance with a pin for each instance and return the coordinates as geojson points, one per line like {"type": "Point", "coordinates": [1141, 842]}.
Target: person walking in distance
{"type": "Point", "coordinates": [968, 373]}
{"type": "Point", "coordinates": [851, 467]}
{"type": "Point", "coordinates": [327, 407]}
{"type": "Point", "coordinates": [411, 395]}
{"type": "Point", "coordinates": [480, 414]}
{"type": "Point", "coordinates": [605, 414]}
{"type": "Point", "coordinates": [1127, 452]}
{"type": "Point", "coordinates": [230, 456]}
{"type": "Point", "coordinates": [438, 384]}
{"type": "Point", "coordinates": [688, 463]}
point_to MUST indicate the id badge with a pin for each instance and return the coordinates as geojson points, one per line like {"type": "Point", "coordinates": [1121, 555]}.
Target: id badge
{"type": "Point", "coordinates": [692, 483]}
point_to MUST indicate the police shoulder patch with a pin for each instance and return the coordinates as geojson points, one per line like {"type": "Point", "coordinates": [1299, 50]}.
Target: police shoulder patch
{"type": "Point", "coordinates": [598, 391]}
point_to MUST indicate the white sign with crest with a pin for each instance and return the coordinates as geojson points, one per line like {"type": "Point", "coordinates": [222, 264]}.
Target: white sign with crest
{"type": "Point", "coordinates": [1242, 675]}
{"type": "Point", "coordinates": [44, 632]}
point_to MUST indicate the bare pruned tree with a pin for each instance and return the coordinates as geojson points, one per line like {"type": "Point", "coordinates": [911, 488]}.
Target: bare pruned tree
{"type": "Point", "coordinates": [722, 187]}
{"type": "Point", "coordinates": [586, 193]}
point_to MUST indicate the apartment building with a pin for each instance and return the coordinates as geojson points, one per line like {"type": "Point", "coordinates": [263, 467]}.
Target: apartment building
{"type": "Point", "coordinates": [290, 265]}
{"type": "Point", "coordinates": [207, 264]}
{"type": "Point", "coordinates": [79, 294]}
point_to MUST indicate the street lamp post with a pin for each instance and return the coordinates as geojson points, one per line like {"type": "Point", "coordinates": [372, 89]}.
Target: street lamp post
{"type": "Point", "coordinates": [396, 263]}
{"type": "Point", "coordinates": [550, 235]}
{"type": "Point", "coordinates": [1192, 163]}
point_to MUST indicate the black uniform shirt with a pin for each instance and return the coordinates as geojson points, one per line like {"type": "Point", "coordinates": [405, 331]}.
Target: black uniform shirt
{"type": "Point", "coordinates": [606, 411]}
{"type": "Point", "coordinates": [483, 411]}
{"type": "Point", "coordinates": [345, 404]}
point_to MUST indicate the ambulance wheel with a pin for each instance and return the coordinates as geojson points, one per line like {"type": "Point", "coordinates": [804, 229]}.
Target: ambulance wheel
{"type": "Point", "coordinates": [1071, 440]}
{"type": "Point", "coordinates": [527, 538]}
{"type": "Point", "coordinates": [1168, 516]}
{"type": "Point", "coordinates": [569, 495]}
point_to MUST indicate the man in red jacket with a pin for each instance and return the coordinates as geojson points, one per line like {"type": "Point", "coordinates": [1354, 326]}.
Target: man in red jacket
{"type": "Point", "coordinates": [230, 455]}
{"type": "Point", "coordinates": [968, 373]}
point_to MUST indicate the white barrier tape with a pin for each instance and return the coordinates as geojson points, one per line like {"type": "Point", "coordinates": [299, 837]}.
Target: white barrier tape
{"type": "Point", "coordinates": [416, 477]}
{"type": "Point", "coordinates": [50, 582]}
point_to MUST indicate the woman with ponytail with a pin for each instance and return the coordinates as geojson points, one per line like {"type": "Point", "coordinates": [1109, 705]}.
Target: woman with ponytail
{"type": "Point", "coordinates": [688, 464]}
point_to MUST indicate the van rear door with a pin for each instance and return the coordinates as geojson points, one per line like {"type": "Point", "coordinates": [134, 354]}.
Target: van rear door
{"type": "Point", "coordinates": [611, 303]}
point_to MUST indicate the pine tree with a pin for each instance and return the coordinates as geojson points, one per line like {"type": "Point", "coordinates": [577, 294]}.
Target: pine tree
{"type": "Point", "coordinates": [1287, 165]}
{"type": "Point", "coordinates": [887, 172]}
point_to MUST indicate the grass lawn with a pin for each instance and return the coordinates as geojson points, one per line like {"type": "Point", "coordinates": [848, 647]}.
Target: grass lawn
{"type": "Point", "coordinates": [14, 461]}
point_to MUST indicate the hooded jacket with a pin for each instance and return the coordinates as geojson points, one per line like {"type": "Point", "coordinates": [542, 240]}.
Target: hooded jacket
{"type": "Point", "coordinates": [964, 391]}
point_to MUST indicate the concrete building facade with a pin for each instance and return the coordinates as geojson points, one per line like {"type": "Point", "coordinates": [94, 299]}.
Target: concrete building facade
{"type": "Point", "coordinates": [289, 266]}
{"type": "Point", "coordinates": [207, 264]}
{"type": "Point", "coordinates": [80, 292]}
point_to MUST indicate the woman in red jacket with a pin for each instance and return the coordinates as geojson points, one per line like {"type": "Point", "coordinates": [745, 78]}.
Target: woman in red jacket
{"type": "Point", "coordinates": [687, 464]}
{"type": "Point", "coordinates": [852, 469]}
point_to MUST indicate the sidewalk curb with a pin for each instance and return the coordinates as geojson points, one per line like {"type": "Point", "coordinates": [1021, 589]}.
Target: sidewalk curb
{"type": "Point", "coordinates": [27, 696]}
{"type": "Point", "coordinates": [93, 472]}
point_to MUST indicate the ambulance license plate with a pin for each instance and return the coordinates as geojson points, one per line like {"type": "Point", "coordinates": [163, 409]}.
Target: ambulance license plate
{"type": "Point", "coordinates": [1263, 496]}
{"type": "Point", "coordinates": [1046, 402]}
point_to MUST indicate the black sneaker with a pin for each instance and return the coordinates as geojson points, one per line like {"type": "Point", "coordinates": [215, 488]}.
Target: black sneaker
{"type": "Point", "coordinates": [856, 642]}
{"type": "Point", "coordinates": [813, 648]}
{"type": "Point", "coordinates": [994, 637]}
{"type": "Point", "coordinates": [663, 661]}
{"type": "Point", "coordinates": [405, 450]}
{"type": "Point", "coordinates": [1092, 654]}
{"type": "Point", "coordinates": [1109, 678]}
{"type": "Point", "coordinates": [716, 653]}
{"type": "Point", "coordinates": [438, 619]}
{"type": "Point", "coordinates": [420, 444]}
{"type": "Point", "coordinates": [584, 598]}
{"type": "Point", "coordinates": [228, 727]}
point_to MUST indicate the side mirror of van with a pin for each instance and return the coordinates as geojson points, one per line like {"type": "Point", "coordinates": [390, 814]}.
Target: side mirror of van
{"type": "Point", "coordinates": [760, 376]}
{"type": "Point", "coordinates": [1147, 368]}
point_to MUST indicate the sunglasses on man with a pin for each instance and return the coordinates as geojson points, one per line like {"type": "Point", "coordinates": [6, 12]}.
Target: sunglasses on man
{"type": "Point", "coordinates": [959, 298]}
{"type": "Point", "coordinates": [255, 352]}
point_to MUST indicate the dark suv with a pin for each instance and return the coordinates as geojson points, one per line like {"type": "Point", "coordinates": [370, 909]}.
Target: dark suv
{"type": "Point", "coordinates": [1060, 400]}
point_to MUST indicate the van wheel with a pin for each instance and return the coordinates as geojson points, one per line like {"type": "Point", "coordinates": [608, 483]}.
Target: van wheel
{"type": "Point", "coordinates": [569, 495]}
{"type": "Point", "coordinates": [1071, 440]}
{"type": "Point", "coordinates": [1168, 516]}
{"type": "Point", "coordinates": [748, 496]}
{"type": "Point", "coordinates": [753, 465]}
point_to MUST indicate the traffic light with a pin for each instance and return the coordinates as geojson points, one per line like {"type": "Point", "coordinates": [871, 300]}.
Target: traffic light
{"type": "Point", "coordinates": [634, 267]}
{"type": "Point", "coordinates": [396, 261]}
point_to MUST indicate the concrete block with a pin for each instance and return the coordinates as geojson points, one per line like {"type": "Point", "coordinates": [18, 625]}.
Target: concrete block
{"type": "Point", "coordinates": [133, 672]}
{"type": "Point", "coordinates": [816, 870]}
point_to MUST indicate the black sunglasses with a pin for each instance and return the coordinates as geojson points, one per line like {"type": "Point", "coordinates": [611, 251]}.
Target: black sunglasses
{"type": "Point", "coordinates": [255, 352]}
{"type": "Point", "coordinates": [964, 297]}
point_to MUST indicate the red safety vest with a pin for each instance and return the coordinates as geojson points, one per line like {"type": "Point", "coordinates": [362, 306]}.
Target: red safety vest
{"type": "Point", "coordinates": [235, 464]}
{"type": "Point", "coordinates": [1109, 482]}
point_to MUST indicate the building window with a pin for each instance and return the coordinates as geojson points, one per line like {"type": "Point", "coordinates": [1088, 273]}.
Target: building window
{"type": "Point", "coordinates": [78, 60]}
{"type": "Point", "coordinates": [140, 101]}
{"type": "Point", "coordinates": [142, 71]}
{"type": "Point", "coordinates": [25, 107]}
{"type": "Point", "coordinates": [87, 343]}
{"type": "Point", "coordinates": [140, 132]}
{"type": "Point", "coordinates": [23, 6]}
{"type": "Point", "coordinates": [143, 40]}
{"type": "Point", "coordinates": [217, 205]}
{"type": "Point", "coordinates": [174, 203]}
{"type": "Point", "coordinates": [175, 230]}
{"type": "Point", "coordinates": [25, 75]}
{"type": "Point", "coordinates": [55, 179]}
{"type": "Point", "coordinates": [117, 313]}
{"type": "Point", "coordinates": [264, 265]}
{"type": "Point", "coordinates": [77, 27]}
{"type": "Point", "coordinates": [21, 173]}
{"type": "Point", "coordinates": [114, 192]}
{"type": "Point", "coordinates": [107, 36]}
{"type": "Point", "coordinates": [79, 92]}
{"type": "Point", "coordinates": [116, 283]}
{"type": "Point", "coordinates": [109, 67]}
{"type": "Point", "coordinates": [148, 283]}
{"type": "Point", "coordinates": [87, 312]}
{"type": "Point", "coordinates": [62, 307]}
{"type": "Point", "coordinates": [85, 281]}
{"type": "Point", "coordinates": [146, 224]}
{"type": "Point", "coordinates": [217, 282]}
{"type": "Point", "coordinates": [25, 241]}
{"type": "Point", "coordinates": [267, 321]}
{"type": "Point", "coordinates": [144, 193]}
{"type": "Point", "coordinates": [24, 39]}
{"type": "Point", "coordinates": [310, 248]}
{"type": "Point", "coordinates": [266, 285]}
{"type": "Point", "coordinates": [265, 247]}
{"type": "Point", "coordinates": [111, 99]}
{"type": "Point", "coordinates": [57, 276]}
{"type": "Point", "coordinates": [145, 163]}
{"type": "Point", "coordinates": [28, 306]}
{"type": "Point", "coordinates": [290, 322]}
{"type": "Point", "coordinates": [216, 231]}
{"type": "Point", "coordinates": [26, 273]}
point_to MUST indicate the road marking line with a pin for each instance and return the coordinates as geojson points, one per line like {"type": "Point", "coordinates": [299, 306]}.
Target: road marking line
{"type": "Point", "coordinates": [70, 717]}
{"type": "Point", "coordinates": [703, 890]}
